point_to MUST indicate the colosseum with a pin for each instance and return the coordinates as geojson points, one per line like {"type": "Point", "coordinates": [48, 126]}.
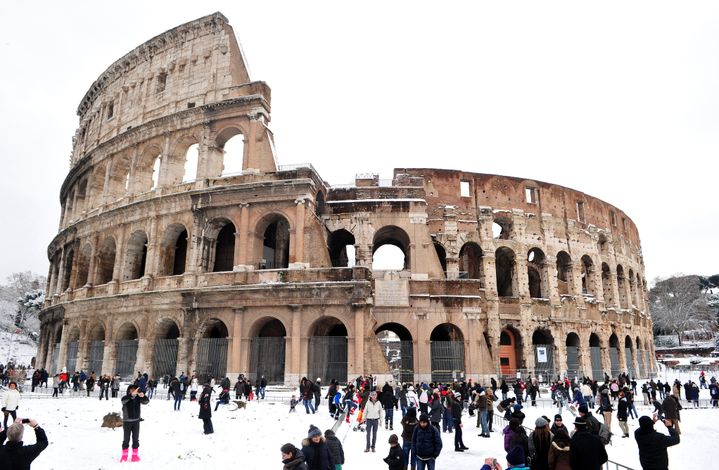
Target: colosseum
{"type": "Point", "coordinates": [175, 253]}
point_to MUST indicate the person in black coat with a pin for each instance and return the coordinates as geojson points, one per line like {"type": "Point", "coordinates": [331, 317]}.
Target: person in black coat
{"type": "Point", "coordinates": [206, 409]}
{"type": "Point", "coordinates": [586, 450]}
{"type": "Point", "coordinates": [335, 447]}
{"type": "Point", "coordinates": [426, 442]}
{"type": "Point", "coordinates": [14, 455]}
{"type": "Point", "coordinates": [395, 459]}
{"type": "Point", "coordinates": [653, 445]}
{"type": "Point", "coordinates": [317, 454]}
{"type": "Point", "coordinates": [131, 421]}
{"type": "Point", "coordinates": [292, 458]}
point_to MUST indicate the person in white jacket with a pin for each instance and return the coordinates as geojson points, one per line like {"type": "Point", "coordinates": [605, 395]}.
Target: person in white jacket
{"type": "Point", "coordinates": [412, 401]}
{"type": "Point", "coordinates": [372, 415]}
{"type": "Point", "coordinates": [10, 403]}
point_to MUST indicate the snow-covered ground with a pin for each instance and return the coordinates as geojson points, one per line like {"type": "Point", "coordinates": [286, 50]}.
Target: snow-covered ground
{"type": "Point", "coordinates": [252, 437]}
{"type": "Point", "coordinates": [16, 348]}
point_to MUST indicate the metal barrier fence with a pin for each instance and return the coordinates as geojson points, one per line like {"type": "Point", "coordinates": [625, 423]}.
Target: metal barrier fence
{"type": "Point", "coordinates": [447, 360]}
{"type": "Point", "coordinates": [328, 358]}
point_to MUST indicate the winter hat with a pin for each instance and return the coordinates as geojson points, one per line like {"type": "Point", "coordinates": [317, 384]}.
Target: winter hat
{"type": "Point", "coordinates": [517, 407]}
{"type": "Point", "coordinates": [580, 421]}
{"type": "Point", "coordinates": [540, 422]}
{"type": "Point", "coordinates": [410, 388]}
{"type": "Point", "coordinates": [645, 422]}
{"type": "Point", "coordinates": [289, 449]}
{"type": "Point", "coordinates": [482, 393]}
{"type": "Point", "coordinates": [583, 409]}
{"type": "Point", "coordinates": [557, 417]}
{"type": "Point", "coordinates": [516, 456]}
{"type": "Point", "coordinates": [457, 395]}
{"type": "Point", "coordinates": [424, 417]}
{"type": "Point", "coordinates": [314, 431]}
{"type": "Point", "coordinates": [393, 439]}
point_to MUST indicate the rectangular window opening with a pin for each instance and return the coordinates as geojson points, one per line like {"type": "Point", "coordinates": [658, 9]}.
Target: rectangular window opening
{"type": "Point", "coordinates": [464, 189]}
{"type": "Point", "coordinates": [531, 195]}
{"type": "Point", "coordinates": [613, 218]}
{"type": "Point", "coordinates": [580, 211]}
{"type": "Point", "coordinates": [624, 224]}
{"type": "Point", "coordinates": [161, 82]}
{"type": "Point", "coordinates": [110, 110]}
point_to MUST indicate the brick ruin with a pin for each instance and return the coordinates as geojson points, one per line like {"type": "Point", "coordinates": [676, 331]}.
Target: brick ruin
{"type": "Point", "coordinates": [166, 261]}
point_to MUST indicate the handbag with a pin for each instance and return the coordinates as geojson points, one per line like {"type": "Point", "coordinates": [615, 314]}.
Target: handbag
{"type": "Point", "coordinates": [500, 408]}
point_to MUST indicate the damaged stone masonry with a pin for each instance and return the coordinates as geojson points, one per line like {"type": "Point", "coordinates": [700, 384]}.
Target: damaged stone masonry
{"type": "Point", "coordinates": [166, 262]}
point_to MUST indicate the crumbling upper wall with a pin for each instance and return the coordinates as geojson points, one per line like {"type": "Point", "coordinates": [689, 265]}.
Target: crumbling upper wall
{"type": "Point", "coordinates": [191, 65]}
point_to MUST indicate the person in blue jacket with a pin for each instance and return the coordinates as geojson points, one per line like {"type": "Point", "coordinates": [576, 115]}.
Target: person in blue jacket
{"type": "Point", "coordinates": [426, 443]}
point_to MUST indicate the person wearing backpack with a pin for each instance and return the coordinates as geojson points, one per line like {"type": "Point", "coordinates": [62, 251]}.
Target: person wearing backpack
{"type": "Point", "coordinates": [586, 450]}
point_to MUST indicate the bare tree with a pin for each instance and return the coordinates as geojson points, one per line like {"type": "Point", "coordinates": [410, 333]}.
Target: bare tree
{"type": "Point", "coordinates": [680, 304]}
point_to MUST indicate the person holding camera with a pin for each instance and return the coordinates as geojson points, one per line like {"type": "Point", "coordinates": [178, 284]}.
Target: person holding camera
{"type": "Point", "coordinates": [131, 403]}
{"type": "Point", "coordinates": [653, 445]}
{"type": "Point", "coordinates": [14, 455]}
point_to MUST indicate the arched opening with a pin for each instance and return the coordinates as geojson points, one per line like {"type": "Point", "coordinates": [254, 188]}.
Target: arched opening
{"type": "Point", "coordinates": [192, 158]}
{"type": "Point", "coordinates": [119, 184]}
{"type": "Point", "coordinates": [341, 245]}
{"type": "Point", "coordinates": [565, 277]}
{"type": "Point", "coordinates": [588, 277]}
{"type": "Point", "coordinates": [543, 343]}
{"type": "Point", "coordinates": [267, 352]}
{"type": "Point", "coordinates": [537, 273]}
{"type": "Point", "coordinates": [96, 186]}
{"type": "Point", "coordinates": [83, 265]}
{"type": "Point", "coordinates": [96, 348]}
{"type": "Point", "coordinates": [447, 350]}
{"type": "Point", "coordinates": [390, 259]}
{"type": "Point", "coordinates": [73, 343]}
{"type": "Point", "coordinates": [572, 344]}
{"type": "Point", "coordinates": [67, 271]}
{"type": "Point", "coordinates": [136, 256]}
{"type": "Point", "coordinates": [164, 358]}
{"type": "Point", "coordinates": [510, 352]}
{"type": "Point", "coordinates": [173, 250]}
{"type": "Point", "coordinates": [603, 245]}
{"type": "Point", "coordinates": [502, 226]}
{"type": "Point", "coordinates": [614, 355]}
{"type": "Point", "coordinates": [126, 351]}
{"type": "Point", "coordinates": [276, 243]}
{"type": "Point", "coordinates": [69, 208]}
{"type": "Point", "coordinates": [470, 262]}
{"type": "Point", "coordinates": [328, 350]}
{"type": "Point", "coordinates": [225, 249]}
{"type": "Point", "coordinates": [156, 172]}
{"type": "Point", "coordinates": [212, 351]}
{"type": "Point", "coordinates": [506, 279]}
{"type": "Point", "coordinates": [629, 355]}
{"type": "Point", "coordinates": [441, 255]}
{"type": "Point", "coordinates": [396, 342]}
{"type": "Point", "coordinates": [234, 149]}
{"type": "Point", "coordinates": [595, 354]}
{"type": "Point", "coordinates": [607, 285]}
{"type": "Point", "coordinates": [621, 286]}
{"type": "Point", "coordinates": [106, 261]}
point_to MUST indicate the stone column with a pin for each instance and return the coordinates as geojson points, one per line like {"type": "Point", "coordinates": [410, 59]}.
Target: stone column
{"type": "Point", "coordinates": [152, 264]}
{"type": "Point", "coordinates": [239, 358]}
{"type": "Point", "coordinates": [560, 352]}
{"type": "Point", "coordinates": [359, 338]}
{"type": "Point", "coordinates": [62, 356]}
{"type": "Point", "coordinates": [143, 360]}
{"type": "Point", "coordinates": [299, 245]}
{"type": "Point", "coordinates": [295, 365]}
{"type": "Point", "coordinates": [606, 360]}
{"type": "Point", "coordinates": [522, 277]}
{"type": "Point", "coordinates": [92, 267]}
{"type": "Point", "coordinates": [120, 251]}
{"type": "Point", "coordinates": [552, 283]}
{"type": "Point", "coordinates": [242, 238]}
{"type": "Point", "coordinates": [83, 343]}
{"type": "Point", "coordinates": [61, 273]}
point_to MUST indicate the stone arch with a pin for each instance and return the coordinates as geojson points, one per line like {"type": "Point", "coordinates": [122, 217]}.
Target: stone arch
{"type": "Point", "coordinates": [224, 252]}
{"type": "Point", "coordinates": [183, 159]}
{"type": "Point", "coordinates": [621, 286]}
{"type": "Point", "coordinates": [595, 355]}
{"type": "Point", "coordinates": [395, 236]}
{"type": "Point", "coordinates": [565, 274]}
{"type": "Point", "coordinates": [274, 231]}
{"type": "Point", "coordinates": [106, 261]}
{"type": "Point", "coordinates": [441, 256]}
{"type": "Point", "coordinates": [470, 262]}
{"type": "Point", "coordinates": [231, 141]}
{"type": "Point", "coordinates": [83, 265]}
{"type": "Point", "coordinates": [398, 348]}
{"type": "Point", "coordinates": [149, 160]}
{"type": "Point", "coordinates": [212, 347]}
{"type": "Point", "coordinates": [603, 245]}
{"type": "Point", "coordinates": [136, 256]}
{"type": "Point", "coordinates": [81, 198]}
{"type": "Point", "coordinates": [164, 357]}
{"type": "Point", "coordinates": [119, 184]}
{"type": "Point", "coordinates": [328, 349]}
{"type": "Point", "coordinates": [537, 273]}
{"type": "Point", "coordinates": [505, 262]}
{"type": "Point", "coordinates": [589, 283]}
{"type": "Point", "coordinates": [573, 345]}
{"type": "Point", "coordinates": [126, 343]}
{"type": "Point", "coordinates": [614, 354]}
{"type": "Point", "coordinates": [96, 346]}
{"type": "Point", "coordinates": [607, 285]}
{"type": "Point", "coordinates": [338, 243]}
{"type": "Point", "coordinates": [543, 345]}
{"type": "Point", "coordinates": [96, 188]}
{"type": "Point", "coordinates": [510, 351]}
{"type": "Point", "coordinates": [447, 353]}
{"type": "Point", "coordinates": [173, 250]}
{"type": "Point", "coordinates": [268, 338]}
{"type": "Point", "coordinates": [502, 225]}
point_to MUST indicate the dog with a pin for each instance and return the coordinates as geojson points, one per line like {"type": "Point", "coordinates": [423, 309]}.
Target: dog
{"type": "Point", "coordinates": [112, 420]}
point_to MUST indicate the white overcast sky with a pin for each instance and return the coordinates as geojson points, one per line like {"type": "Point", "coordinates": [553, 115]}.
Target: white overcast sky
{"type": "Point", "coordinates": [616, 99]}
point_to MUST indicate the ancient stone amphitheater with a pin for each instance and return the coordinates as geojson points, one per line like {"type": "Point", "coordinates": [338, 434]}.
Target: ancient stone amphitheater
{"type": "Point", "coordinates": [176, 254]}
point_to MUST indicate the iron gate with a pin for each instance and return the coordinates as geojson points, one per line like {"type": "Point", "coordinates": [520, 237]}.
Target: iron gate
{"type": "Point", "coordinates": [614, 360]}
{"type": "Point", "coordinates": [71, 362]}
{"type": "Point", "coordinates": [328, 358]}
{"type": "Point", "coordinates": [447, 361]}
{"type": "Point", "coordinates": [267, 357]}
{"type": "Point", "coordinates": [406, 354]}
{"type": "Point", "coordinates": [164, 359]}
{"type": "Point", "coordinates": [630, 362]}
{"type": "Point", "coordinates": [97, 352]}
{"type": "Point", "coordinates": [572, 361]}
{"type": "Point", "coordinates": [545, 368]}
{"type": "Point", "coordinates": [211, 358]}
{"type": "Point", "coordinates": [126, 358]}
{"type": "Point", "coordinates": [596, 357]}
{"type": "Point", "coordinates": [55, 355]}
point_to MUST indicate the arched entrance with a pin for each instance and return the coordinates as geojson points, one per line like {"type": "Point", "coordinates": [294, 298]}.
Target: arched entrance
{"type": "Point", "coordinates": [328, 350]}
{"type": "Point", "coordinates": [470, 262]}
{"type": "Point", "coordinates": [275, 243]}
{"type": "Point", "coordinates": [126, 351]}
{"type": "Point", "coordinates": [267, 352]}
{"type": "Point", "coordinates": [572, 346]}
{"type": "Point", "coordinates": [396, 342]}
{"type": "Point", "coordinates": [510, 352]}
{"type": "Point", "coordinates": [384, 259]}
{"type": "Point", "coordinates": [164, 359]}
{"type": "Point", "coordinates": [628, 353]}
{"type": "Point", "coordinates": [212, 351]}
{"type": "Point", "coordinates": [96, 349]}
{"type": "Point", "coordinates": [614, 355]}
{"type": "Point", "coordinates": [339, 243]}
{"type": "Point", "coordinates": [543, 345]}
{"type": "Point", "coordinates": [72, 349]}
{"type": "Point", "coordinates": [447, 350]}
{"type": "Point", "coordinates": [595, 353]}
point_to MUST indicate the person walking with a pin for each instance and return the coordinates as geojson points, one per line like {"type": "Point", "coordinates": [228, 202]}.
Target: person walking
{"type": "Point", "coordinates": [653, 445]}
{"type": "Point", "coordinates": [539, 442]}
{"type": "Point", "coordinates": [426, 443]}
{"type": "Point", "coordinates": [586, 450]}
{"type": "Point", "coordinates": [315, 450]}
{"type": "Point", "coordinates": [395, 460]}
{"type": "Point", "coordinates": [605, 406]}
{"type": "Point", "coordinates": [131, 403]}
{"type": "Point", "coordinates": [372, 416]}
{"type": "Point", "coordinates": [622, 414]}
{"type": "Point", "coordinates": [671, 408]}
{"type": "Point", "coordinates": [456, 407]}
{"type": "Point", "coordinates": [409, 422]}
{"type": "Point", "coordinates": [206, 409]}
{"type": "Point", "coordinates": [335, 447]}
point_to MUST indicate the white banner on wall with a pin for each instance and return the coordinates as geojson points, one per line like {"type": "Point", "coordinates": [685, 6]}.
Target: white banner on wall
{"type": "Point", "coordinates": [541, 354]}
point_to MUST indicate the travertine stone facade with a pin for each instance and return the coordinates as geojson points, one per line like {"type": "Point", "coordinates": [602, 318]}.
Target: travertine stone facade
{"type": "Point", "coordinates": [166, 263]}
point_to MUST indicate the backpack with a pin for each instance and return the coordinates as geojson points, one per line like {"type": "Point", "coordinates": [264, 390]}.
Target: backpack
{"type": "Point", "coordinates": [605, 435]}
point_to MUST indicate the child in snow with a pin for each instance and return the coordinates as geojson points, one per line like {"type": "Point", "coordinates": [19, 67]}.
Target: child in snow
{"type": "Point", "coordinates": [293, 403]}
{"type": "Point", "coordinates": [131, 421]}
{"type": "Point", "coordinates": [395, 459]}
